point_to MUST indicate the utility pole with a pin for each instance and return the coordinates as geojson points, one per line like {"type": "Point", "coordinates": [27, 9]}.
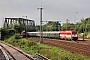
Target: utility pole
{"type": "Point", "coordinates": [83, 31]}
{"type": "Point", "coordinates": [74, 21]}
{"type": "Point", "coordinates": [26, 25]}
{"type": "Point", "coordinates": [60, 26]}
{"type": "Point", "coordinates": [46, 25]}
{"type": "Point", "coordinates": [41, 32]}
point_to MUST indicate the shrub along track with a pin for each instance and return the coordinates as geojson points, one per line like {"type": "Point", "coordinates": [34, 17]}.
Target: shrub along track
{"type": "Point", "coordinates": [80, 46]}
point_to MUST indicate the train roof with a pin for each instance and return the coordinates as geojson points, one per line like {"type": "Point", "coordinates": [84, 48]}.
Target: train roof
{"type": "Point", "coordinates": [46, 32]}
{"type": "Point", "coordinates": [68, 31]}
{"type": "Point", "coordinates": [55, 31]}
{"type": "Point", "coordinates": [52, 32]}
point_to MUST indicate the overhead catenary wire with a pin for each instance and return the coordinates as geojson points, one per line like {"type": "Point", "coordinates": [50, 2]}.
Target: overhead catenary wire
{"type": "Point", "coordinates": [51, 3]}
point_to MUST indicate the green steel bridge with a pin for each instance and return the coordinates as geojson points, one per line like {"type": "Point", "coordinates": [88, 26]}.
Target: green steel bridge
{"type": "Point", "coordinates": [24, 23]}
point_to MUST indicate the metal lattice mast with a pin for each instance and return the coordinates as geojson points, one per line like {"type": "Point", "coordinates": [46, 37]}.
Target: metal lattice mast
{"type": "Point", "coordinates": [41, 32]}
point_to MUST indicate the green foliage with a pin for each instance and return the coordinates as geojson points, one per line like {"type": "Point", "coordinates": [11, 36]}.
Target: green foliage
{"type": "Point", "coordinates": [37, 28]}
{"type": "Point", "coordinates": [50, 26]}
{"type": "Point", "coordinates": [69, 26]}
{"type": "Point", "coordinates": [84, 26]}
{"type": "Point", "coordinates": [31, 43]}
{"type": "Point", "coordinates": [17, 36]}
{"type": "Point", "coordinates": [7, 32]}
{"type": "Point", "coordinates": [17, 28]}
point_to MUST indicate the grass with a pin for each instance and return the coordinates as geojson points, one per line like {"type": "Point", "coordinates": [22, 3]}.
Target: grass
{"type": "Point", "coordinates": [53, 53]}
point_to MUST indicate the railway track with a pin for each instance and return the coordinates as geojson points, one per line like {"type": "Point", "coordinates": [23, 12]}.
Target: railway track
{"type": "Point", "coordinates": [2, 56]}
{"type": "Point", "coordinates": [72, 46]}
{"type": "Point", "coordinates": [17, 54]}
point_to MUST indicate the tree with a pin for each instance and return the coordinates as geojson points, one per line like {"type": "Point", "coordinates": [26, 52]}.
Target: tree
{"type": "Point", "coordinates": [7, 32]}
{"type": "Point", "coordinates": [37, 27]}
{"type": "Point", "coordinates": [50, 26]}
{"type": "Point", "coordinates": [69, 26]}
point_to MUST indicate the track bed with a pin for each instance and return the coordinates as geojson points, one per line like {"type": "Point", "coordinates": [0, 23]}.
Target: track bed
{"type": "Point", "coordinates": [80, 46]}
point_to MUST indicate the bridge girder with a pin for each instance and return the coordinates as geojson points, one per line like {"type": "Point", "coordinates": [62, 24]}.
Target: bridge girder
{"type": "Point", "coordinates": [30, 24]}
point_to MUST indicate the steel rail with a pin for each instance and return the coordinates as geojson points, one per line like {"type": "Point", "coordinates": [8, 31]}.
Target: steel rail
{"type": "Point", "coordinates": [31, 58]}
{"type": "Point", "coordinates": [8, 52]}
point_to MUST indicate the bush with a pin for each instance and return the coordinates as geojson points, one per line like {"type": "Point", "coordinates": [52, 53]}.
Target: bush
{"type": "Point", "coordinates": [17, 28]}
{"type": "Point", "coordinates": [6, 32]}
{"type": "Point", "coordinates": [17, 36]}
{"type": "Point", "coordinates": [31, 43]}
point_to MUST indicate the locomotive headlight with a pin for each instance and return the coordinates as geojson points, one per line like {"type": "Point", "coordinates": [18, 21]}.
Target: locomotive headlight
{"type": "Point", "coordinates": [74, 35]}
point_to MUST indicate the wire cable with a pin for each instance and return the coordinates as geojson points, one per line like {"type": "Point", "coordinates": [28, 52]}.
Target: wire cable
{"type": "Point", "coordinates": [51, 3]}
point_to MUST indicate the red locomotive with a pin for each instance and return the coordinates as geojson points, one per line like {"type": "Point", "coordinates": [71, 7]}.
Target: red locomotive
{"type": "Point", "coordinates": [72, 35]}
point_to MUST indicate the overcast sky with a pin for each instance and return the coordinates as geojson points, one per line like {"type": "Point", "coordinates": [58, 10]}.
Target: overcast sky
{"type": "Point", "coordinates": [56, 10]}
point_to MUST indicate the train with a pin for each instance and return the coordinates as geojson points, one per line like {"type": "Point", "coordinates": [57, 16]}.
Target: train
{"type": "Point", "coordinates": [66, 35]}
